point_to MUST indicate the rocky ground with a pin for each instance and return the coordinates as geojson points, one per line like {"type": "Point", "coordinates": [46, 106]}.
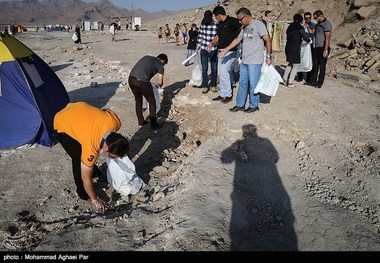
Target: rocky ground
{"type": "Point", "coordinates": [301, 174]}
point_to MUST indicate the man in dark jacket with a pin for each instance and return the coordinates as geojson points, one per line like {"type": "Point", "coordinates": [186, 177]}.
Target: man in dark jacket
{"type": "Point", "coordinates": [192, 43]}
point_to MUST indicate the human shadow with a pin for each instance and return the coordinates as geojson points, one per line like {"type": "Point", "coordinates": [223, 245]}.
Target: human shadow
{"type": "Point", "coordinates": [148, 147]}
{"type": "Point", "coordinates": [90, 42]}
{"type": "Point", "coordinates": [261, 218]}
{"type": "Point", "coordinates": [168, 95]}
{"type": "Point", "coordinates": [97, 96]}
{"type": "Point", "coordinates": [60, 67]}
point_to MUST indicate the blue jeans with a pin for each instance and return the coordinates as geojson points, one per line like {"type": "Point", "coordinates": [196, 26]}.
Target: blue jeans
{"type": "Point", "coordinates": [249, 76]}
{"type": "Point", "coordinates": [205, 58]}
{"type": "Point", "coordinates": [226, 73]}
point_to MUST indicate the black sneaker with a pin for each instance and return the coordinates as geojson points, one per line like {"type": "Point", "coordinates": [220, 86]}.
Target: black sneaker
{"type": "Point", "coordinates": [237, 108]}
{"type": "Point", "coordinates": [249, 110]}
{"type": "Point", "coordinates": [218, 98]}
{"type": "Point", "coordinates": [145, 122]}
{"type": "Point", "coordinates": [310, 84]}
{"type": "Point", "coordinates": [226, 99]}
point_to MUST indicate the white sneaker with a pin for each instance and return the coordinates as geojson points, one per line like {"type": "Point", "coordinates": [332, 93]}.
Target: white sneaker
{"type": "Point", "coordinates": [291, 86]}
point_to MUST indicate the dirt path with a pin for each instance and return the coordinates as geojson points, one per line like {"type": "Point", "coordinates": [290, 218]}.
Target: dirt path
{"type": "Point", "coordinates": [301, 174]}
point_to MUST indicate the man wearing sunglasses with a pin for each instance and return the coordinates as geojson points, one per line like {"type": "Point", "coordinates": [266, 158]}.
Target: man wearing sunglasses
{"type": "Point", "coordinates": [252, 36]}
{"type": "Point", "coordinates": [309, 26]}
{"type": "Point", "coordinates": [322, 49]}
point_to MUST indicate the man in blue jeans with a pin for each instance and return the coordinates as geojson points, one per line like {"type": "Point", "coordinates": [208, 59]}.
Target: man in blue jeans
{"type": "Point", "coordinates": [252, 35]}
{"type": "Point", "coordinates": [207, 32]}
{"type": "Point", "coordinates": [228, 29]}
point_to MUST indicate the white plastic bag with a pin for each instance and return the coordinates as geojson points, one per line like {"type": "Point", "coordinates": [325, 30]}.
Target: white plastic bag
{"type": "Point", "coordinates": [112, 29]}
{"type": "Point", "coordinates": [306, 60]}
{"type": "Point", "coordinates": [121, 175]}
{"type": "Point", "coordinates": [157, 96]}
{"type": "Point", "coordinates": [196, 74]}
{"type": "Point", "coordinates": [74, 37]}
{"type": "Point", "coordinates": [188, 59]}
{"type": "Point", "coordinates": [269, 81]}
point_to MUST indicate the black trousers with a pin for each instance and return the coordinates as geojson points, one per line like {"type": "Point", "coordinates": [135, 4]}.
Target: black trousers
{"type": "Point", "coordinates": [74, 150]}
{"type": "Point", "coordinates": [317, 75]}
{"type": "Point", "coordinates": [142, 89]}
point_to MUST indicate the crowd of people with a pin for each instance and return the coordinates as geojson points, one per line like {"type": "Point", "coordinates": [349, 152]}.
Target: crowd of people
{"type": "Point", "coordinates": [222, 42]}
{"type": "Point", "coordinates": [242, 44]}
{"type": "Point", "coordinates": [177, 33]}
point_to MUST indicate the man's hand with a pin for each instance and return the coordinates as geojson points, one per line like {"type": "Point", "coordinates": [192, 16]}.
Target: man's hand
{"type": "Point", "coordinates": [209, 47]}
{"type": "Point", "coordinates": [269, 60]}
{"type": "Point", "coordinates": [222, 53]}
{"type": "Point", "coordinates": [99, 205]}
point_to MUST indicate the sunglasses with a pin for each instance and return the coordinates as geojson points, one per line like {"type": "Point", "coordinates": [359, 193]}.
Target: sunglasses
{"type": "Point", "coordinates": [241, 19]}
{"type": "Point", "coordinates": [307, 17]}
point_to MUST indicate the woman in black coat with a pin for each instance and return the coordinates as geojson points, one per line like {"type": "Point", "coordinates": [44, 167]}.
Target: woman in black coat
{"type": "Point", "coordinates": [192, 44]}
{"type": "Point", "coordinates": [77, 31]}
{"type": "Point", "coordinates": [294, 35]}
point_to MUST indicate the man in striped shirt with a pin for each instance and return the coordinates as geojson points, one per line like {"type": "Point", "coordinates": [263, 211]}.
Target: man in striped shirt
{"type": "Point", "coordinates": [207, 32]}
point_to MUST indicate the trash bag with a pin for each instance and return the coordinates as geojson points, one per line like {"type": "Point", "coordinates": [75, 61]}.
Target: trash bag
{"type": "Point", "coordinates": [157, 96]}
{"type": "Point", "coordinates": [306, 63]}
{"type": "Point", "coordinates": [196, 74]}
{"type": "Point", "coordinates": [121, 175]}
{"type": "Point", "coordinates": [74, 37]}
{"type": "Point", "coordinates": [269, 81]}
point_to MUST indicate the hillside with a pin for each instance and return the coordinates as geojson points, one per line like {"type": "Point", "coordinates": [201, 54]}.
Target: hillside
{"type": "Point", "coordinates": [37, 13]}
{"type": "Point", "coordinates": [355, 37]}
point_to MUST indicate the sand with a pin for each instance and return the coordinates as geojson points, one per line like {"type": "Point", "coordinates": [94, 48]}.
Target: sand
{"type": "Point", "coordinates": [301, 174]}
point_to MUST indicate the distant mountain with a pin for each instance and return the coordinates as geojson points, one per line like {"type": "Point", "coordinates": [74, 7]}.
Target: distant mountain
{"type": "Point", "coordinates": [35, 12]}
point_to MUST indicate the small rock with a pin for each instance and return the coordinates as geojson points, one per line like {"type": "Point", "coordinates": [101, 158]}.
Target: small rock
{"type": "Point", "coordinates": [300, 145]}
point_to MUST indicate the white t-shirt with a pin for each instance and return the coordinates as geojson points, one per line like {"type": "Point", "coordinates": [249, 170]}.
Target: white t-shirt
{"type": "Point", "coordinates": [253, 44]}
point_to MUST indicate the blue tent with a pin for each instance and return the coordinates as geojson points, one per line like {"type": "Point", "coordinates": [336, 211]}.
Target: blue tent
{"type": "Point", "coordinates": [30, 96]}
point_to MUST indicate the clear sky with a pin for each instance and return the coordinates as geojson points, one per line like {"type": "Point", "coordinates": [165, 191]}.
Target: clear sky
{"type": "Point", "coordinates": [158, 5]}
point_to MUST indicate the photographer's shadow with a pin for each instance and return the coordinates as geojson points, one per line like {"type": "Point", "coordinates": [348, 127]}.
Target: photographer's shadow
{"type": "Point", "coordinates": [261, 217]}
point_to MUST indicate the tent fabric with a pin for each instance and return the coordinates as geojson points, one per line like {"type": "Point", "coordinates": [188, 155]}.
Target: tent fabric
{"type": "Point", "coordinates": [30, 96]}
